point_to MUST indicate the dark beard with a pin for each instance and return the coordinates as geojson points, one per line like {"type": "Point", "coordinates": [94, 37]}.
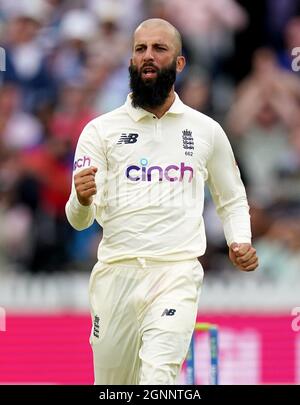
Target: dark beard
{"type": "Point", "coordinates": [152, 93]}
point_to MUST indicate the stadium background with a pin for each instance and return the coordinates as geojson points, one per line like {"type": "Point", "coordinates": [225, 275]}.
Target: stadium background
{"type": "Point", "coordinates": [65, 63]}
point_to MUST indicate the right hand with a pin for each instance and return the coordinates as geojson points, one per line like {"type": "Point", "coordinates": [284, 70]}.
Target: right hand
{"type": "Point", "coordinates": [85, 185]}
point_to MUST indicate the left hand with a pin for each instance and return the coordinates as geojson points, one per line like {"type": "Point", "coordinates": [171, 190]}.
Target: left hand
{"type": "Point", "coordinates": [243, 256]}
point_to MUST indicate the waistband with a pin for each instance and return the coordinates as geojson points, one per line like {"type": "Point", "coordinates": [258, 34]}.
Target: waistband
{"type": "Point", "coordinates": [144, 262]}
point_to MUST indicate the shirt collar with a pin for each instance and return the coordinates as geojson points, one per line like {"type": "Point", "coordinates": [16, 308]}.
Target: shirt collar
{"type": "Point", "coordinates": [138, 113]}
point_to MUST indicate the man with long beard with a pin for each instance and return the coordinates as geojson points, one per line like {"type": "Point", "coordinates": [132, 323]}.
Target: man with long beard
{"type": "Point", "coordinates": [140, 172]}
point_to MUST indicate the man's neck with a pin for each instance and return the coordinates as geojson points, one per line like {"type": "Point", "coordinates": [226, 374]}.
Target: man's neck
{"type": "Point", "coordinates": [162, 109]}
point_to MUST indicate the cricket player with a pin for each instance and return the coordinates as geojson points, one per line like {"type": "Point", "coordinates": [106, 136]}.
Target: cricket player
{"type": "Point", "coordinates": [140, 172]}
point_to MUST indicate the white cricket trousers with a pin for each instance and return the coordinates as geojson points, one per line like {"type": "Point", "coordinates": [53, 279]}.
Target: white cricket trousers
{"type": "Point", "coordinates": [143, 315]}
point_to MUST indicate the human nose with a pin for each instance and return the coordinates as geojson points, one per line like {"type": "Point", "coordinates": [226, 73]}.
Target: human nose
{"type": "Point", "coordinates": [148, 55]}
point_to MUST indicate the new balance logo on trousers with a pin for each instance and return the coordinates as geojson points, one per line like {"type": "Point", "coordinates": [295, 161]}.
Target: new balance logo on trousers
{"type": "Point", "coordinates": [168, 312]}
{"type": "Point", "coordinates": [96, 326]}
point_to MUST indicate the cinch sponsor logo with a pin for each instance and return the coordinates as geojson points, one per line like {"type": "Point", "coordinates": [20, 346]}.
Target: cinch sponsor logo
{"type": "Point", "coordinates": [82, 162]}
{"type": "Point", "coordinates": [171, 173]}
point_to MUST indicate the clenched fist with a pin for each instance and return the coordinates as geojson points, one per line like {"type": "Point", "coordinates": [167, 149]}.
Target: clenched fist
{"type": "Point", "coordinates": [85, 185]}
{"type": "Point", "coordinates": [243, 256]}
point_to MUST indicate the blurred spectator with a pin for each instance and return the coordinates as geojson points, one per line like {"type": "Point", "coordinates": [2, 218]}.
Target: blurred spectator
{"type": "Point", "coordinates": [67, 61]}
{"type": "Point", "coordinates": [205, 26]}
{"type": "Point", "coordinates": [15, 217]}
{"type": "Point", "coordinates": [278, 13]}
{"type": "Point", "coordinates": [76, 29]}
{"type": "Point", "coordinates": [72, 113]}
{"type": "Point", "coordinates": [291, 41]}
{"type": "Point", "coordinates": [126, 13]}
{"type": "Point", "coordinates": [108, 59]}
{"type": "Point", "coordinates": [195, 90]}
{"type": "Point", "coordinates": [36, 9]}
{"type": "Point", "coordinates": [25, 57]}
{"type": "Point", "coordinates": [261, 219]}
{"type": "Point", "coordinates": [288, 172]}
{"type": "Point", "coordinates": [266, 106]}
{"type": "Point", "coordinates": [48, 169]}
{"type": "Point", "coordinates": [279, 252]}
{"type": "Point", "coordinates": [18, 130]}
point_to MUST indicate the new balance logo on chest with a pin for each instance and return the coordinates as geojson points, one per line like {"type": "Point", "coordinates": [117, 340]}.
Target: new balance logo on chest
{"type": "Point", "coordinates": [127, 139]}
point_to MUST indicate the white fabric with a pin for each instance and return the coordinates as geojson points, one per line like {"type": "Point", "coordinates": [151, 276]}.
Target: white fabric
{"type": "Point", "coordinates": [143, 318]}
{"type": "Point", "coordinates": [144, 215]}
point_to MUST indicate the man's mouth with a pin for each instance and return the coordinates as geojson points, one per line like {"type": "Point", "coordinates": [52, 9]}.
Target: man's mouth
{"type": "Point", "coordinates": [149, 72]}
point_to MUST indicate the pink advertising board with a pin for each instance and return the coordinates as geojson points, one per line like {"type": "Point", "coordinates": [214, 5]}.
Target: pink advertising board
{"type": "Point", "coordinates": [54, 349]}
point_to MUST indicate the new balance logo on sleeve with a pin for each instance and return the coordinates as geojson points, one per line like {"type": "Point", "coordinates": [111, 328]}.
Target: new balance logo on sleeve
{"type": "Point", "coordinates": [125, 139]}
{"type": "Point", "coordinates": [168, 312]}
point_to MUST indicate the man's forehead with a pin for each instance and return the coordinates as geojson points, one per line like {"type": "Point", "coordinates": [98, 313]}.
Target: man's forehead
{"type": "Point", "coordinates": [156, 30]}
{"type": "Point", "coordinates": [154, 35]}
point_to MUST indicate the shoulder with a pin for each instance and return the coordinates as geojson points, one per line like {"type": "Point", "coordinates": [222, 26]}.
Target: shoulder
{"type": "Point", "coordinates": [207, 127]}
{"type": "Point", "coordinates": [108, 118]}
{"type": "Point", "coordinates": [200, 118]}
{"type": "Point", "coordinates": [97, 126]}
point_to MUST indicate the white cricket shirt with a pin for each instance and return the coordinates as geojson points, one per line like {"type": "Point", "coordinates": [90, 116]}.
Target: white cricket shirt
{"type": "Point", "coordinates": [150, 183]}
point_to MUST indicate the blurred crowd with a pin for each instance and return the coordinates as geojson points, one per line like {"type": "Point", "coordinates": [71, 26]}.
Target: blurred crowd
{"type": "Point", "coordinates": [67, 62]}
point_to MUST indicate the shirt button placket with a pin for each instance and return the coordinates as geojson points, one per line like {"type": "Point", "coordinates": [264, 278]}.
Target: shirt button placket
{"type": "Point", "coordinates": [158, 127]}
